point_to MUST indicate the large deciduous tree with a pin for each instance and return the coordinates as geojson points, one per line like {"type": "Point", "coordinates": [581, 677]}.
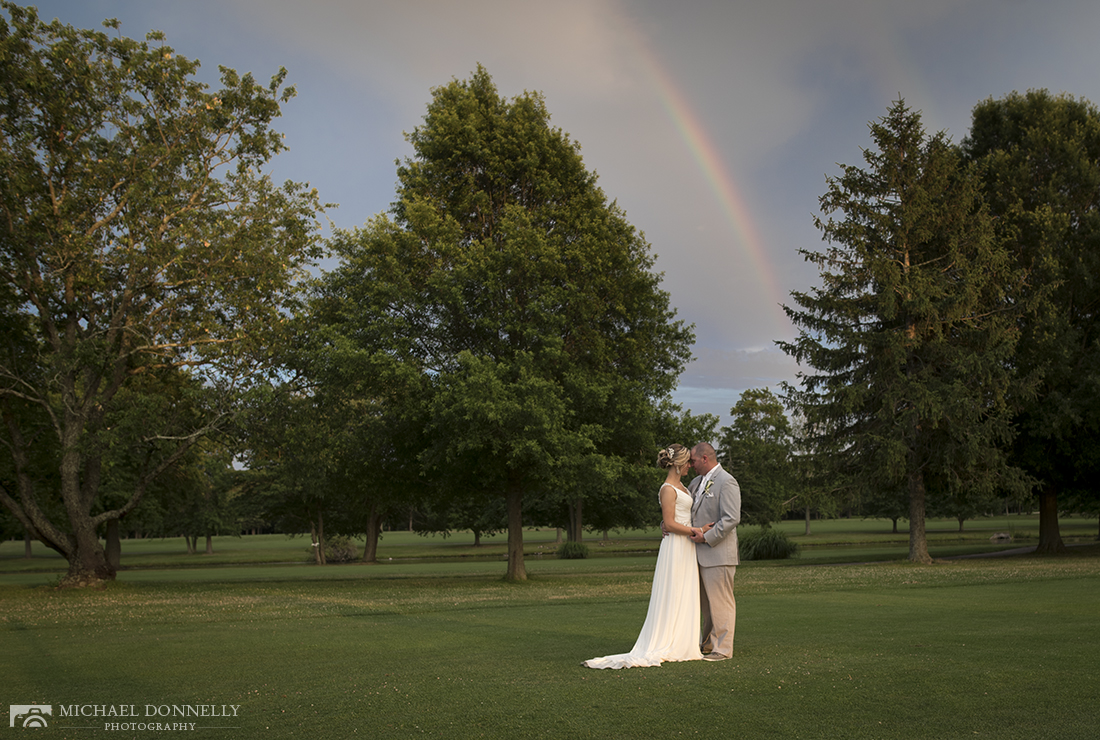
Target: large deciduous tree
{"type": "Point", "coordinates": [140, 239]}
{"type": "Point", "coordinates": [1040, 156]}
{"type": "Point", "coordinates": [909, 336]}
{"type": "Point", "coordinates": [527, 299]}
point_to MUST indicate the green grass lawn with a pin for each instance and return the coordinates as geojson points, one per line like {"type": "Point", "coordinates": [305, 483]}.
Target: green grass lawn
{"type": "Point", "coordinates": [1004, 647]}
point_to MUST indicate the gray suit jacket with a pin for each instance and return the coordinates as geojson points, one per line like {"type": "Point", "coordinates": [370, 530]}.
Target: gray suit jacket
{"type": "Point", "coordinates": [721, 505]}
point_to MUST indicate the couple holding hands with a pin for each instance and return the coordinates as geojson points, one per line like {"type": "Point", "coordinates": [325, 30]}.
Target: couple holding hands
{"type": "Point", "coordinates": [696, 564]}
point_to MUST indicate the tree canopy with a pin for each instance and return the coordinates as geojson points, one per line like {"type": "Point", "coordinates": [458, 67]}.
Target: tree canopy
{"type": "Point", "coordinates": [1040, 159]}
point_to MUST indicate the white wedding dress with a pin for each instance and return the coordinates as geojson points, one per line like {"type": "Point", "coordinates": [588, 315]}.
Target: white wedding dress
{"type": "Point", "coordinates": [671, 629]}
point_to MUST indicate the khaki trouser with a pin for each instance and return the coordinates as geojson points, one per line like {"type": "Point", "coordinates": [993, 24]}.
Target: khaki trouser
{"type": "Point", "coordinates": [719, 609]}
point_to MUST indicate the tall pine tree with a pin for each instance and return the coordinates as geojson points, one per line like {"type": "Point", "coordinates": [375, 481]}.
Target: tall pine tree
{"type": "Point", "coordinates": [909, 337]}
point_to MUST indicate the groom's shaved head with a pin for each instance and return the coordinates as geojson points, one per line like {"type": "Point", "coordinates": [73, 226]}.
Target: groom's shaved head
{"type": "Point", "coordinates": [703, 458]}
{"type": "Point", "coordinates": [704, 448]}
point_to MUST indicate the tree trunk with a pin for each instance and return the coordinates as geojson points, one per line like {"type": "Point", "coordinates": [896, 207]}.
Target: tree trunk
{"type": "Point", "coordinates": [1050, 536]}
{"type": "Point", "coordinates": [317, 536]}
{"type": "Point", "coordinates": [807, 521]}
{"type": "Point", "coordinates": [477, 538]}
{"type": "Point", "coordinates": [114, 545]}
{"type": "Point", "coordinates": [88, 564]}
{"type": "Point", "coordinates": [918, 541]}
{"type": "Point", "coordinates": [190, 547]}
{"type": "Point", "coordinates": [374, 532]}
{"type": "Point", "coordinates": [576, 511]}
{"type": "Point", "coordinates": [961, 520]}
{"type": "Point", "coordinates": [209, 545]}
{"type": "Point", "coordinates": [514, 502]}
{"type": "Point", "coordinates": [27, 540]}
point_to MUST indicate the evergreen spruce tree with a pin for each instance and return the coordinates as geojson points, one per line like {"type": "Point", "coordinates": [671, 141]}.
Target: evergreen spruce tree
{"type": "Point", "coordinates": [909, 338]}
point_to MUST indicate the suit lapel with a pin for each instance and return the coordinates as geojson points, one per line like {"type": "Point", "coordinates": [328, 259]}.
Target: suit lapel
{"type": "Point", "coordinates": [695, 498]}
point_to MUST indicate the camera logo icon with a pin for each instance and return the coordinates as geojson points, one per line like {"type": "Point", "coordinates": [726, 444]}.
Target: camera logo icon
{"type": "Point", "coordinates": [29, 715]}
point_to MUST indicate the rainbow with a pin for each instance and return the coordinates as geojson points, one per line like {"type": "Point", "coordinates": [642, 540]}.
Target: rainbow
{"type": "Point", "coordinates": [709, 161]}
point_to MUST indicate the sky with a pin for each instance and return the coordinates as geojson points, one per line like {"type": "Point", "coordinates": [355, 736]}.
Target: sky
{"type": "Point", "coordinates": [712, 123]}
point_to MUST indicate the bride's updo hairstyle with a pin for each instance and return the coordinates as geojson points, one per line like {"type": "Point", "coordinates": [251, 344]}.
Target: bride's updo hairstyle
{"type": "Point", "coordinates": [673, 456]}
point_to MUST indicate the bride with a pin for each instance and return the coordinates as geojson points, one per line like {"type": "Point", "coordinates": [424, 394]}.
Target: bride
{"type": "Point", "coordinates": [671, 629]}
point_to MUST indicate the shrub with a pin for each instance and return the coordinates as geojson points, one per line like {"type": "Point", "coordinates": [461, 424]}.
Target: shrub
{"type": "Point", "coordinates": [765, 543]}
{"type": "Point", "coordinates": [340, 549]}
{"type": "Point", "coordinates": [573, 551]}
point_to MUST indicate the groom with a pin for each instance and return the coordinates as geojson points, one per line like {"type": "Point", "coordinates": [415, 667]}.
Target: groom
{"type": "Point", "coordinates": [716, 509]}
